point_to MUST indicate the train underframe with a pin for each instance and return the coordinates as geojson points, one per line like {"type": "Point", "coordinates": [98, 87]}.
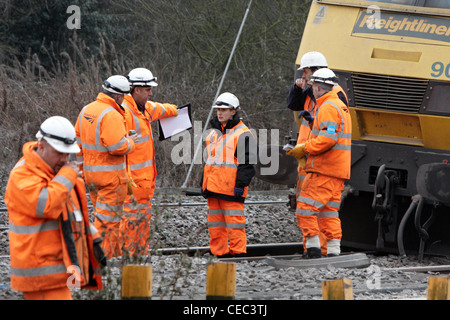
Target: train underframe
{"type": "Point", "coordinates": [397, 200]}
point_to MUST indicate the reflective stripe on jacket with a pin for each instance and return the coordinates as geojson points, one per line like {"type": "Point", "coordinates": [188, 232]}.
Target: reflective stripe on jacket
{"type": "Point", "coordinates": [142, 161]}
{"type": "Point", "coordinates": [102, 135]}
{"type": "Point", "coordinates": [49, 234]}
{"type": "Point", "coordinates": [220, 171]}
{"type": "Point", "coordinates": [329, 147]}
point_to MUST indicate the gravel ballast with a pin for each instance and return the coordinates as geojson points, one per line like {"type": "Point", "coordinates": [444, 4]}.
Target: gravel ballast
{"type": "Point", "coordinates": [181, 277]}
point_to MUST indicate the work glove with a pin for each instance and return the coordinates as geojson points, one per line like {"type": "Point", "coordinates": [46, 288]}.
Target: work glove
{"type": "Point", "coordinates": [298, 152]}
{"type": "Point", "coordinates": [130, 186]}
{"type": "Point", "coordinates": [238, 192]}
{"type": "Point", "coordinates": [98, 252]}
{"type": "Point", "coordinates": [306, 115]}
{"type": "Point", "coordinates": [302, 163]}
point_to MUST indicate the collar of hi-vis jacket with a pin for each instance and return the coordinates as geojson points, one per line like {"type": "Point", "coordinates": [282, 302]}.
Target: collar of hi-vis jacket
{"type": "Point", "coordinates": [34, 161]}
{"type": "Point", "coordinates": [111, 102]}
{"type": "Point", "coordinates": [328, 98]}
{"type": "Point", "coordinates": [216, 124]}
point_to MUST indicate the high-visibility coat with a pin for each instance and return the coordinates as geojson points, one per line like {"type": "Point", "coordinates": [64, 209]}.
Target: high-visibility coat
{"type": "Point", "coordinates": [50, 237]}
{"type": "Point", "coordinates": [299, 100]}
{"type": "Point", "coordinates": [221, 171]}
{"type": "Point", "coordinates": [142, 168]}
{"type": "Point", "coordinates": [305, 127]}
{"type": "Point", "coordinates": [329, 146]}
{"type": "Point", "coordinates": [142, 161]}
{"type": "Point", "coordinates": [102, 134]}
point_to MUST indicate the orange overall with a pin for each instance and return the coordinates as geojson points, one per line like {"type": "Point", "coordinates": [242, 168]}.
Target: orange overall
{"type": "Point", "coordinates": [226, 220]}
{"type": "Point", "coordinates": [303, 135]}
{"type": "Point", "coordinates": [327, 167]}
{"type": "Point", "coordinates": [102, 135]}
{"type": "Point", "coordinates": [135, 225]}
{"type": "Point", "coordinates": [50, 237]}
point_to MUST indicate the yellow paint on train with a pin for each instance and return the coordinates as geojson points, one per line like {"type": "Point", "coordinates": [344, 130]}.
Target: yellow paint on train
{"type": "Point", "coordinates": [396, 63]}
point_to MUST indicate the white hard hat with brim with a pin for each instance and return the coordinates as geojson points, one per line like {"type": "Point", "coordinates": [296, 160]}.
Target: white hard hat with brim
{"type": "Point", "coordinates": [60, 134]}
{"type": "Point", "coordinates": [59, 145]}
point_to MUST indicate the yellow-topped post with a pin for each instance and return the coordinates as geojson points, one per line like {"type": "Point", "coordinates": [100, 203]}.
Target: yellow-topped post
{"type": "Point", "coordinates": [221, 281]}
{"type": "Point", "coordinates": [337, 289]}
{"type": "Point", "coordinates": [438, 288]}
{"type": "Point", "coordinates": [136, 282]}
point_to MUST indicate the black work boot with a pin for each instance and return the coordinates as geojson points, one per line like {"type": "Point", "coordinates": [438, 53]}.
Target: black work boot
{"type": "Point", "coordinates": [239, 255]}
{"type": "Point", "coordinates": [313, 253]}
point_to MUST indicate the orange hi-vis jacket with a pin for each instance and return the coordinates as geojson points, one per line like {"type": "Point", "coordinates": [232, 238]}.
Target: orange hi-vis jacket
{"type": "Point", "coordinates": [305, 128]}
{"type": "Point", "coordinates": [142, 161]}
{"type": "Point", "coordinates": [102, 134]}
{"type": "Point", "coordinates": [220, 171]}
{"type": "Point", "coordinates": [50, 237]}
{"type": "Point", "coordinates": [329, 146]}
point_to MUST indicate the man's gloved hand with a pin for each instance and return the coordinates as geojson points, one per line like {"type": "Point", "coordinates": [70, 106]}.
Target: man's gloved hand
{"type": "Point", "coordinates": [302, 163]}
{"type": "Point", "coordinates": [238, 192]}
{"type": "Point", "coordinates": [305, 114]}
{"type": "Point", "coordinates": [98, 252]}
{"type": "Point", "coordinates": [298, 152]}
{"type": "Point", "coordinates": [130, 186]}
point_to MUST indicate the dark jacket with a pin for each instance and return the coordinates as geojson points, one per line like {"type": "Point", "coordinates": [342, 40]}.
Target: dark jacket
{"type": "Point", "coordinates": [297, 97]}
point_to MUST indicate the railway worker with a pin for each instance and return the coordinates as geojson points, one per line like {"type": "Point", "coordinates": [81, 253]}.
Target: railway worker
{"type": "Point", "coordinates": [326, 158]}
{"type": "Point", "coordinates": [102, 134]}
{"type": "Point", "coordinates": [135, 226]}
{"type": "Point", "coordinates": [227, 174]}
{"type": "Point", "coordinates": [300, 95]}
{"type": "Point", "coordinates": [49, 231]}
{"type": "Point", "coordinates": [301, 100]}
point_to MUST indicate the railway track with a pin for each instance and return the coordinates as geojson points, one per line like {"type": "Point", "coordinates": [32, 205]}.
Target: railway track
{"type": "Point", "coordinates": [288, 255]}
{"type": "Point", "coordinates": [277, 271]}
{"type": "Point", "coordinates": [4, 210]}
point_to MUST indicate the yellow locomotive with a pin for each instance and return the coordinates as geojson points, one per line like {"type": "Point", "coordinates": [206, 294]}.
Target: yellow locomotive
{"type": "Point", "coordinates": [392, 58]}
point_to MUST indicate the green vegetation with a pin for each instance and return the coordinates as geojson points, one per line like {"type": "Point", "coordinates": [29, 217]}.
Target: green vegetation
{"type": "Point", "coordinates": [48, 69]}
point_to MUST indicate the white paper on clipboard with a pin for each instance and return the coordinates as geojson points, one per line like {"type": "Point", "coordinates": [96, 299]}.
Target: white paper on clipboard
{"type": "Point", "coordinates": [174, 125]}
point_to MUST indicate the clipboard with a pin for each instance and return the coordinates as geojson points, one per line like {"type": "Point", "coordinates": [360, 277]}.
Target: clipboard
{"type": "Point", "coordinates": [171, 126]}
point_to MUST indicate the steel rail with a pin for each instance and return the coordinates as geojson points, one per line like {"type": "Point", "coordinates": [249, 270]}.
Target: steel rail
{"type": "Point", "coordinates": [253, 250]}
{"type": "Point", "coordinates": [194, 204]}
{"type": "Point", "coordinates": [183, 204]}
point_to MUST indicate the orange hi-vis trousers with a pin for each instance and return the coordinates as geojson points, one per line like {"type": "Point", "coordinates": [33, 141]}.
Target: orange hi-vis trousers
{"type": "Point", "coordinates": [323, 240]}
{"type": "Point", "coordinates": [318, 207]}
{"type": "Point", "coordinates": [108, 204]}
{"type": "Point", "coordinates": [226, 221]}
{"type": "Point", "coordinates": [62, 293]}
{"type": "Point", "coordinates": [135, 224]}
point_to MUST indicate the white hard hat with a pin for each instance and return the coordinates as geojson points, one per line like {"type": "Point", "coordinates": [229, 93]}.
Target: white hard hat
{"type": "Point", "coordinates": [60, 134]}
{"type": "Point", "coordinates": [313, 59]}
{"type": "Point", "coordinates": [226, 100]}
{"type": "Point", "coordinates": [324, 75]}
{"type": "Point", "coordinates": [142, 77]}
{"type": "Point", "coordinates": [116, 84]}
